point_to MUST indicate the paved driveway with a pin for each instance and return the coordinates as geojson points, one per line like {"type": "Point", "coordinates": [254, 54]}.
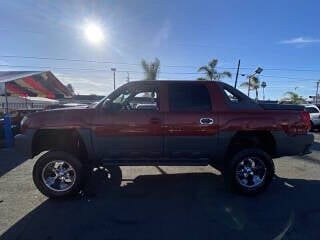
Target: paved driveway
{"type": "Point", "coordinates": [165, 203]}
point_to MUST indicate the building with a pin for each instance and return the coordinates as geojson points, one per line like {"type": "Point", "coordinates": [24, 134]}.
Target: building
{"type": "Point", "coordinates": [31, 89]}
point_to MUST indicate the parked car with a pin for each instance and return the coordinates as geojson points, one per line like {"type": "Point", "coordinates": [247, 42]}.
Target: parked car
{"type": "Point", "coordinates": [314, 112]}
{"type": "Point", "coordinates": [151, 123]}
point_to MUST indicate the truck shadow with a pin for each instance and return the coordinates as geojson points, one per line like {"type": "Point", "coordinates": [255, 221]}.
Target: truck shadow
{"type": "Point", "coordinates": [178, 206]}
{"type": "Point", "coordinates": [315, 146]}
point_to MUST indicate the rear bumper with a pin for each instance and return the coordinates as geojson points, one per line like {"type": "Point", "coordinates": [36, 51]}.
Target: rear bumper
{"type": "Point", "coordinates": [316, 122]}
{"type": "Point", "coordinates": [293, 145]}
{"type": "Point", "coordinates": [23, 143]}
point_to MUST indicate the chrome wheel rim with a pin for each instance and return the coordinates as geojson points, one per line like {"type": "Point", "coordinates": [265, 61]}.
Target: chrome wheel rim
{"type": "Point", "coordinates": [251, 172]}
{"type": "Point", "coordinates": [58, 175]}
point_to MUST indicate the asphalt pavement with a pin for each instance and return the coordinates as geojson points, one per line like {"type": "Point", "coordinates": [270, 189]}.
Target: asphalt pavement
{"type": "Point", "coordinates": [165, 203]}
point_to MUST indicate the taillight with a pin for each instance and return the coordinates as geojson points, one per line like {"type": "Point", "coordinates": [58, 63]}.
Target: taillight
{"type": "Point", "coordinates": [305, 116]}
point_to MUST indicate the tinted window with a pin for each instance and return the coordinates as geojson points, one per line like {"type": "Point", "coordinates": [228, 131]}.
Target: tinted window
{"type": "Point", "coordinates": [189, 98]}
{"type": "Point", "coordinates": [312, 110]}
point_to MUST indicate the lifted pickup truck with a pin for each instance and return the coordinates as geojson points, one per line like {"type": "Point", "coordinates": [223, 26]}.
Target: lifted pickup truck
{"type": "Point", "coordinates": [153, 123]}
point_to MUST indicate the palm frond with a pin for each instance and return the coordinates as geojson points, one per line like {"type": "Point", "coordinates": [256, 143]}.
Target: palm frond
{"type": "Point", "coordinates": [244, 84]}
{"type": "Point", "coordinates": [226, 74]}
{"type": "Point", "coordinates": [145, 65]}
{"type": "Point", "coordinates": [213, 63]}
{"type": "Point", "coordinates": [151, 70]}
{"type": "Point", "coordinates": [204, 69]}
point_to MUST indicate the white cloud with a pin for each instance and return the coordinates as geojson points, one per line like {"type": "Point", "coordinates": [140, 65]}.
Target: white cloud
{"type": "Point", "coordinates": [162, 34]}
{"type": "Point", "coordinates": [83, 85]}
{"type": "Point", "coordinates": [300, 40]}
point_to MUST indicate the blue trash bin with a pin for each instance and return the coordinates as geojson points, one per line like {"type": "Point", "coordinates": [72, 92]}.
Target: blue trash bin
{"type": "Point", "coordinates": [7, 131]}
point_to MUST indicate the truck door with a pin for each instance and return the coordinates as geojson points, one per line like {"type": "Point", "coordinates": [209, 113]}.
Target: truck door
{"type": "Point", "coordinates": [132, 126]}
{"type": "Point", "coordinates": [190, 124]}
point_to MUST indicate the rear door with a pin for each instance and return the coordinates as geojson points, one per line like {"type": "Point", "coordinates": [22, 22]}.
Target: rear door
{"type": "Point", "coordinates": [190, 124]}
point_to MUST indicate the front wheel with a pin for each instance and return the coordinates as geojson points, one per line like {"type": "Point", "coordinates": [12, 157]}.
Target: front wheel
{"type": "Point", "coordinates": [58, 174]}
{"type": "Point", "coordinates": [250, 171]}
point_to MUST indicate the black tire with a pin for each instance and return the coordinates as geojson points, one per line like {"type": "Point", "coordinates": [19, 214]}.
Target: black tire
{"type": "Point", "coordinates": [230, 174]}
{"type": "Point", "coordinates": [47, 159]}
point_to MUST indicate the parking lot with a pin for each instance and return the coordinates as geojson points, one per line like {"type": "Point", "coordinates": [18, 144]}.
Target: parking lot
{"type": "Point", "coordinates": [165, 203]}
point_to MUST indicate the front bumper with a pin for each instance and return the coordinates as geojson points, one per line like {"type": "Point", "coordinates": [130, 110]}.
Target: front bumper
{"type": "Point", "coordinates": [23, 143]}
{"type": "Point", "coordinates": [293, 145]}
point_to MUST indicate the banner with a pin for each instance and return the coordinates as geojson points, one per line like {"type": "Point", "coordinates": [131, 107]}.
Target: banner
{"type": "Point", "coordinates": [2, 88]}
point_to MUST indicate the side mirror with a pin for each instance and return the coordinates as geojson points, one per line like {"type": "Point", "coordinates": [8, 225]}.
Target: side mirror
{"type": "Point", "coordinates": [109, 106]}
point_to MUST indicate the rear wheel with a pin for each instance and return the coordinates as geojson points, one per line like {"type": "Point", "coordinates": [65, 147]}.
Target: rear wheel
{"type": "Point", "coordinates": [58, 174]}
{"type": "Point", "coordinates": [250, 171]}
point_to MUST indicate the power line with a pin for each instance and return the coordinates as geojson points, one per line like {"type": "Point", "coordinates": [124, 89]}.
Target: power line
{"type": "Point", "coordinates": [141, 72]}
{"type": "Point", "coordinates": [101, 62]}
{"type": "Point", "coordinates": [297, 69]}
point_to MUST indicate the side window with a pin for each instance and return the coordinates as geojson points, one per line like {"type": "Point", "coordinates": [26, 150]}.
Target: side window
{"type": "Point", "coordinates": [189, 98]}
{"type": "Point", "coordinates": [135, 99]}
{"type": "Point", "coordinates": [231, 96]}
{"type": "Point", "coordinates": [145, 100]}
{"type": "Point", "coordinates": [312, 110]}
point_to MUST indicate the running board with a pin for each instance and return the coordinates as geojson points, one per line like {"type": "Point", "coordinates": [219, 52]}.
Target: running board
{"type": "Point", "coordinates": [156, 162]}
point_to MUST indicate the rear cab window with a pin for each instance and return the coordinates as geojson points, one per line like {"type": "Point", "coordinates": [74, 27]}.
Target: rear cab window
{"type": "Point", "coordinates": [189, 98]}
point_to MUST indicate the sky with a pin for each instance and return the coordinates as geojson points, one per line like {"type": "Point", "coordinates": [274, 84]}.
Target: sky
{"type": "Point", "coordinates": [282, 37]}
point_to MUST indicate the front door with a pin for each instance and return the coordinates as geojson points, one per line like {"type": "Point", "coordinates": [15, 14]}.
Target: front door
{"type": "Point", "coordinates": [190, 124]}
{"type": "Point", "coordinates": [133, 126]}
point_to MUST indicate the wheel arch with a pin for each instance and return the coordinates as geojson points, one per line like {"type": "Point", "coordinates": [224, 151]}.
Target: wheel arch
{"type": "Point", "coordinates": [251, 139]}
{"type": "Point", "coordinates": [73, 141]}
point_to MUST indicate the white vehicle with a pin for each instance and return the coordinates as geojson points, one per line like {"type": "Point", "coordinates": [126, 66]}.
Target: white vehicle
{"type": "Point", "coordinates": [314, 112]}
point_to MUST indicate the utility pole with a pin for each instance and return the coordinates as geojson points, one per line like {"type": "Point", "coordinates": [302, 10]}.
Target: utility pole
{"type": "Point", "coordinates": [236, 81]}
{"type": "Point", "coordinates": [128, 77]}
{"type": "Point", "coordinates": [114, 77]}
{"type": "Point", "coordinates": [317, 91]}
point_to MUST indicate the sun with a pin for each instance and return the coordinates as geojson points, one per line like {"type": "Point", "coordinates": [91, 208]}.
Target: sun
{"type": "Point", "coordinates": [93, 33]}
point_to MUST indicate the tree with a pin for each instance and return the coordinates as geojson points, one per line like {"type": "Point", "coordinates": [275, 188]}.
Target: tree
{"type": "Point", "coordinates": [70, 88]}
{"type": "Point", "coordinates": [253, 83]}
{"type": "Point", "coordinates": [151, 70]}
{"type": "Point", "coordinates": [293, 97]}
{"type": "Point", "coordinates": [211, 72]}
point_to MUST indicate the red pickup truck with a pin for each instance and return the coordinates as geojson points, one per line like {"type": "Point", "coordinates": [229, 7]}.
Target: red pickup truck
{"type": "Point", "coordinates": [153, 123]}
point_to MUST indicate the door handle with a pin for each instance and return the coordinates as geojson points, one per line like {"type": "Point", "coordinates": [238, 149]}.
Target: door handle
{"type": "Point", "coordinates": [155, 120]}
{"type": "Point", "coordinates": [206, 121]}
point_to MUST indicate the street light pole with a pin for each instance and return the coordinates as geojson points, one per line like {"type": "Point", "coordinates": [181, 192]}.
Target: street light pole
{"type": "Point", "coordinates": [257, 71]}
{"type": "Point", "coordinates": [114, 77]}
{"type": "Point", "coordinates": [263, 85]}
{"type": "Point", "coordinates": [317, 91]}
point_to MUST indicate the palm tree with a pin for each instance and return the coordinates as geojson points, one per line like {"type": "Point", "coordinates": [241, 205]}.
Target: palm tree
{"type": "Point", "coordinates": [151, 70]}
{"type": "Point", "coordinates": [293, 97]}
{"type": "Point", "coordinates": [253, 83]}
{"type": "Point", "coordinates": [70, 88]}
{"type": "Point", "coordinates": [211, 72]}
